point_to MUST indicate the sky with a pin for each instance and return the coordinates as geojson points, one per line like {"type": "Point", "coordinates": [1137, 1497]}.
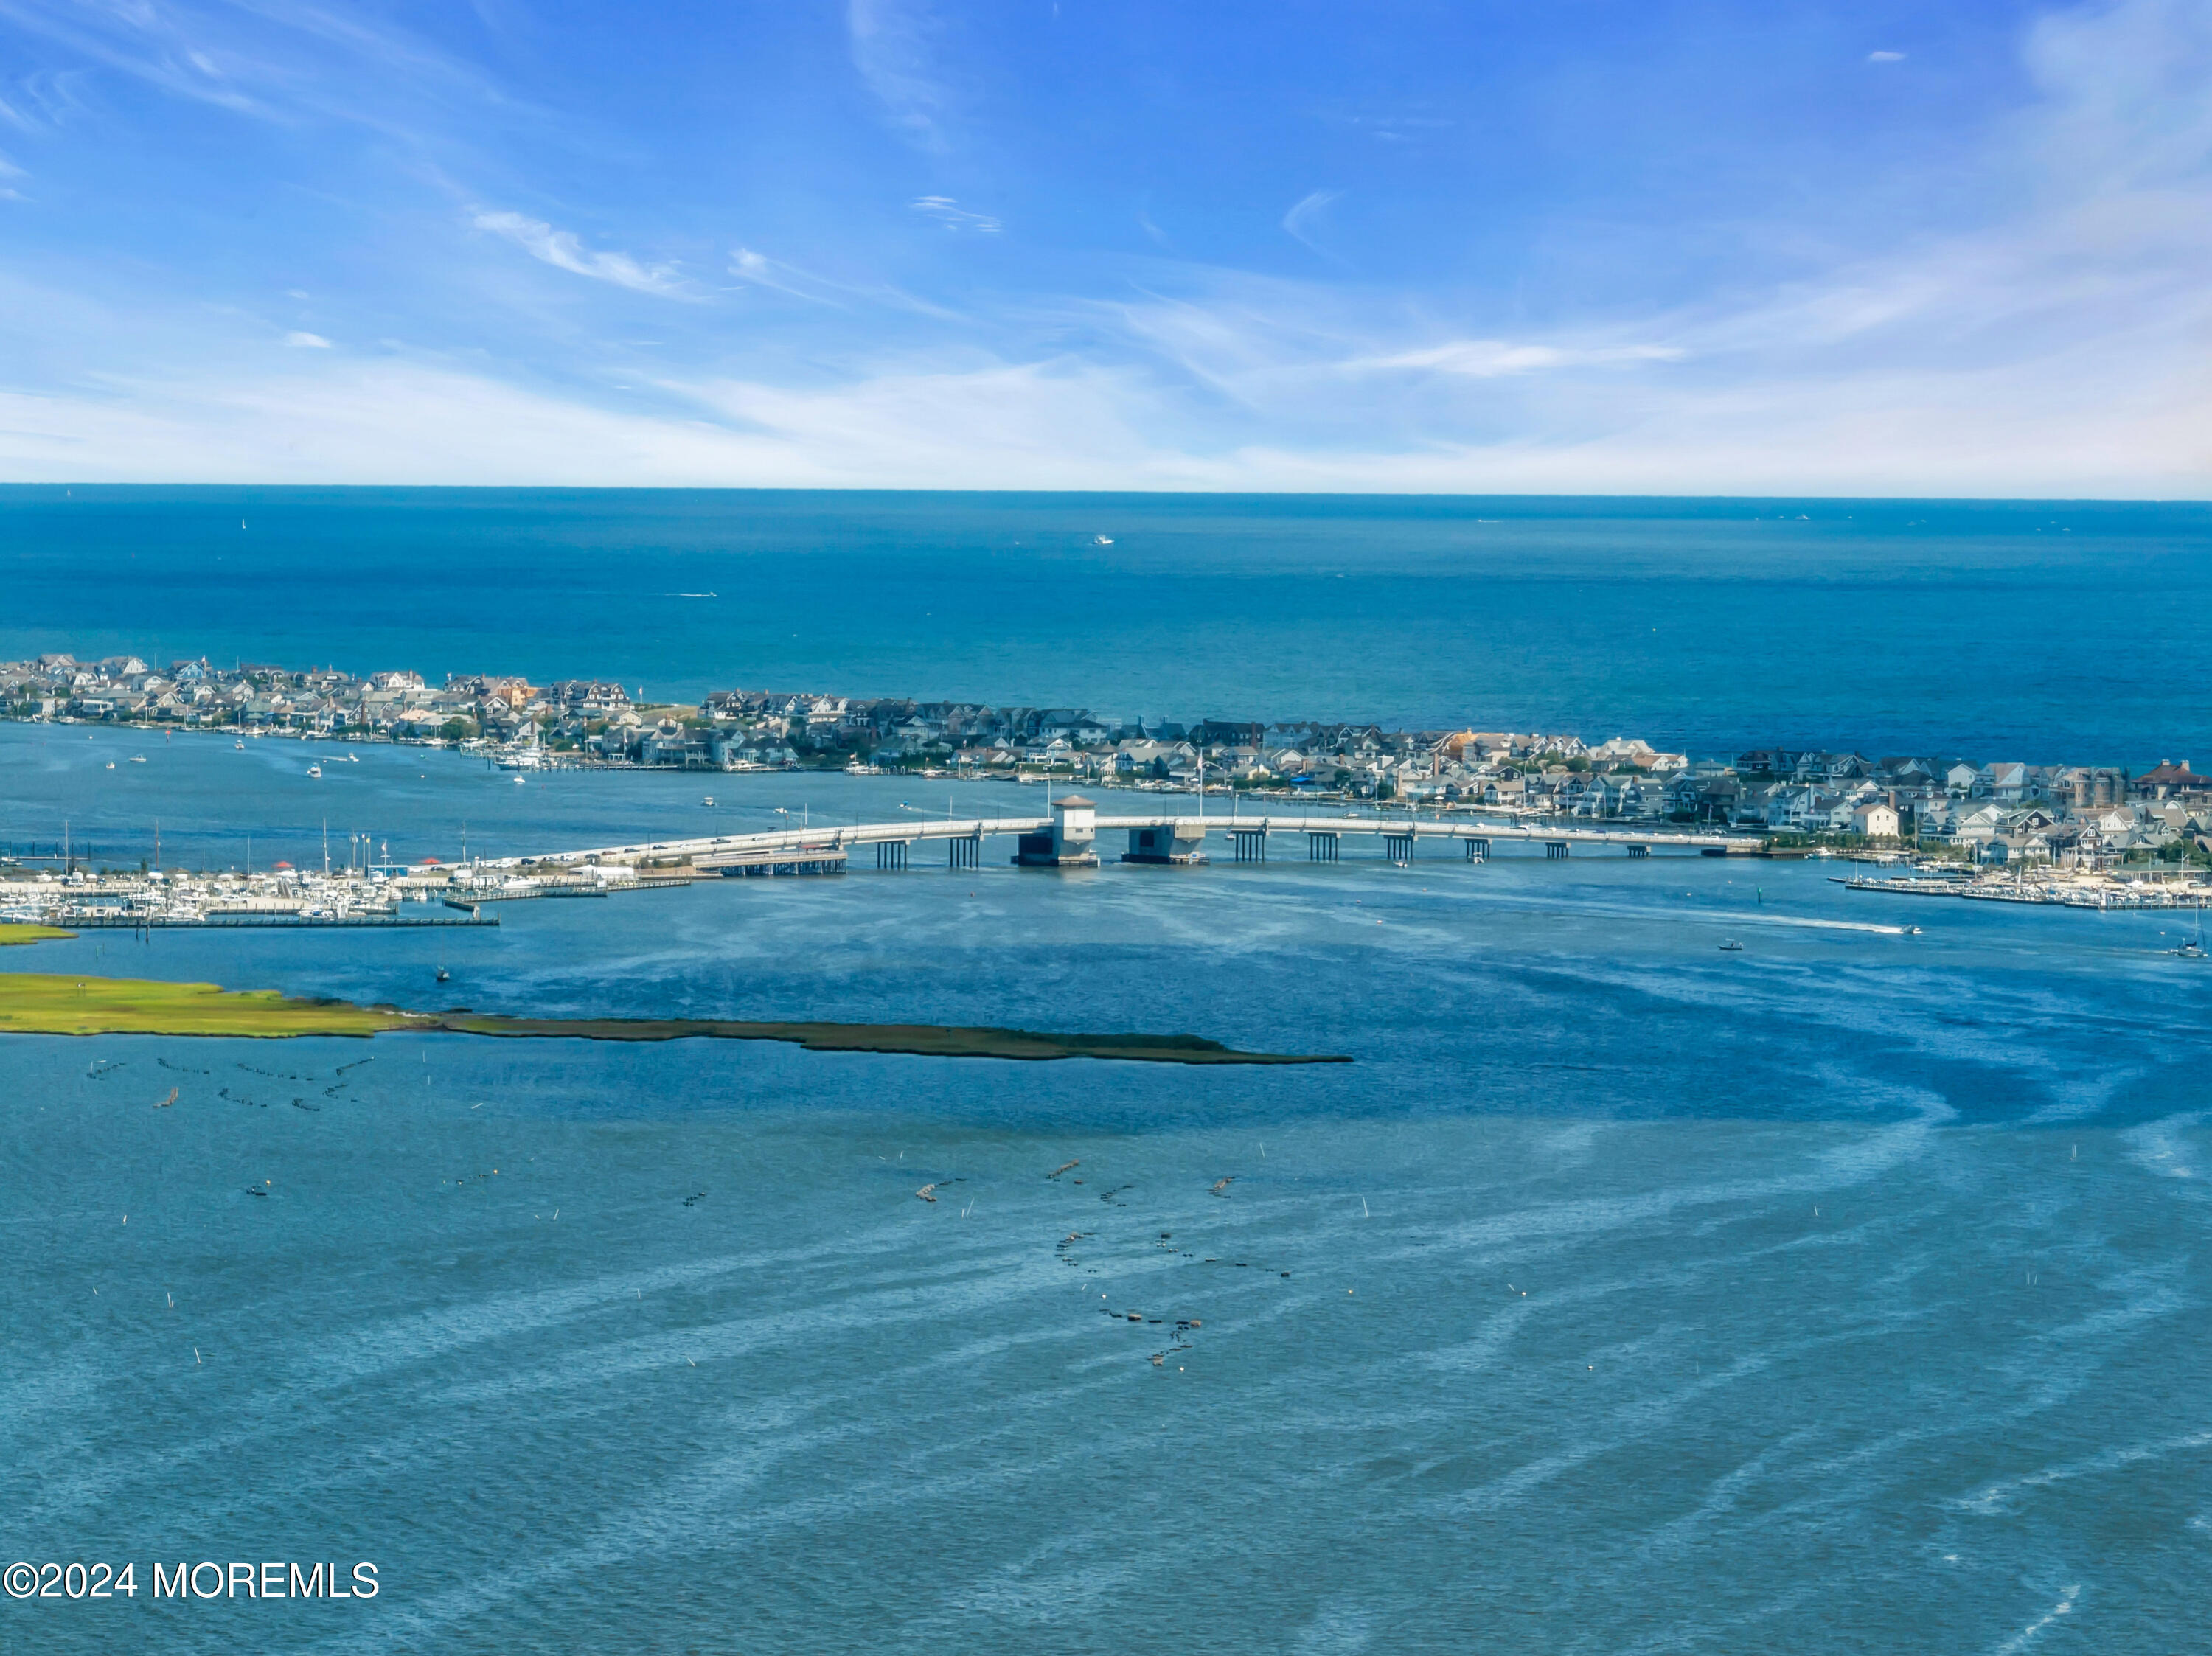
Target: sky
{"type": "Point", "coordinates": [1653, 246]}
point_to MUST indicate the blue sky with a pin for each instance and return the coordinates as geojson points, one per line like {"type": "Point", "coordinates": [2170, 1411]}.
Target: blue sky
{"type": "Point", "coordinates": [1715, 248]}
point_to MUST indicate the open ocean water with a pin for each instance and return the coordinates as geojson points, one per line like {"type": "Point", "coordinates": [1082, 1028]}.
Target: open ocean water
{"type": "Point", "coordinates": [1846, 1293]}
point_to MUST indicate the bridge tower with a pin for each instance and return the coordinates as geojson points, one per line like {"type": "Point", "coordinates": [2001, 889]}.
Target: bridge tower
{"type": "Point", "coordinates": [1173, 841]}
{"type": "Point", "coordinates": [1068, 842]}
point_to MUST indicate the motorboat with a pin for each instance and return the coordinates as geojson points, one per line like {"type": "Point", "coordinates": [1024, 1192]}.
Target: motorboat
{"type": "Point", "coordinates": [1731, 947]}
{"type": "Point", "coordinates": [314, 770]}
{"type": "Point", "coordinates": [2191, 948]}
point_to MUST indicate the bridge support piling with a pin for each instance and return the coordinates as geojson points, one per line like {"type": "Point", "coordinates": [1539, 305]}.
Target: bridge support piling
{"type": "Point", "coordinates": [1399, 848]}
{"type": "Point", "coordinates": [1478, 851]}
{"type": "Point", "coordinates": [1251, 844]}
{"type": "Point", "coordinates": [1640, 851]}
{"type": "Point", "coordinates": [1555, 849]}
{"type": "Point", "coordinates": [1320, 848]}
{"type": "Point", "coordinates": [891, 854]}
{"type": "Point", "coordinates": [965, 852]}
{"type": "Point", "coordinates": [1176, 843]}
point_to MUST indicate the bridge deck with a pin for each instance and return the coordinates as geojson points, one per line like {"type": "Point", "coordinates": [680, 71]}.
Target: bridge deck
{"type": "Point", "coordinates": [706, 852]}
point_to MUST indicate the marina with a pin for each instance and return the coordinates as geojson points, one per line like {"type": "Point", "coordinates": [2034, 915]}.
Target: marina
{"type": "Point", "coordinates": [2103, 892]}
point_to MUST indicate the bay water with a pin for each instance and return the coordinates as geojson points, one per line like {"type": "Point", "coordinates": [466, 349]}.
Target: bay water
{"type": "Point", "coordinates": [1843, 1292]}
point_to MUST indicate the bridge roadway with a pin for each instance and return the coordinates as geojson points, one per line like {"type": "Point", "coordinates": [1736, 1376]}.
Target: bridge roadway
{"type": "Point", "coordinates": [708, 853]}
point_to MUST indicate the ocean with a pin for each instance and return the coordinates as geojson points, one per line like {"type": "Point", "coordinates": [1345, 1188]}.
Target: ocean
{"type": "Point", "coordinates": [1840, 1293]}
{"type": "Point", "coordinates": [2049, 631]}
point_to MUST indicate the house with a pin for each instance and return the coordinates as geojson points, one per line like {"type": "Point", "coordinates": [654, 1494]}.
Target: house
{"type": "Point", "coordinates": [2167, 779]}
{"type": "Point", "coordinates": [1876, 820]}
{"type": "Point", "coordinates": [2089, 787]}
{"type": "Point", "coordinates": [1229, 733]}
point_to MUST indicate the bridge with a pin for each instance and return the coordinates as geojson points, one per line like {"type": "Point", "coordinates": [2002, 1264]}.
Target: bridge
{"type": "Point", "coordinates": [1068, 837]}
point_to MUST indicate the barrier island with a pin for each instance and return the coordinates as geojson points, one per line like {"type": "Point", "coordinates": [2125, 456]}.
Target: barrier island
{"type": "Point", "coordinates": [53, 1003]}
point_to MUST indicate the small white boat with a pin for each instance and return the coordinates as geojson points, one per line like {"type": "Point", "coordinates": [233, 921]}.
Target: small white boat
{"type": "Point", "coordinates": [708, 800]}
{"type": "Point", "coordinates": [137, 758]}
{"type": "Point", "coordinates": [314, 770]}
{"type": "Point", "coordinates": [241, 746]}
{"type": "Point", "coordinates": [111, 764]}
{"type": "Point", "coordinates": [519, 780]}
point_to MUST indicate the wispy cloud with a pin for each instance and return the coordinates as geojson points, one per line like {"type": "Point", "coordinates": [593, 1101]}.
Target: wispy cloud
{"type": "Point", "coordinates": [285, 62]}
{"type": "Point", "coordinates": [163, 46]}
{"type": "Point", "coordinates": [953, 216]}
{"type": "Point", "coordinates": [1885, 57]}
{"type": "Point", "coordinates": [779, 275]}
{"type": "Point", "coordinates": [893, 48]}
{"type": "Point", "coordinates": [564, 251]}
{"type": "Point", "coordinates": [1489, 359]}
{"type": "Point", "coordinates": [1302, 222]}
{"type": "Point", "coordinates": [759, 270]}
{"type": "Point", "coordinates": [302, 341]}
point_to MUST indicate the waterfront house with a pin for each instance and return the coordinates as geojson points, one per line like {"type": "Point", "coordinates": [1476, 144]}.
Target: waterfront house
{"type": "Point", "coordinates": [2171, 779]}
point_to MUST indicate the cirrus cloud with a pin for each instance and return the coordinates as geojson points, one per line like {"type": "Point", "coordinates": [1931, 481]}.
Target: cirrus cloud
{"type": "Point", "coordinates": [565, 250]}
